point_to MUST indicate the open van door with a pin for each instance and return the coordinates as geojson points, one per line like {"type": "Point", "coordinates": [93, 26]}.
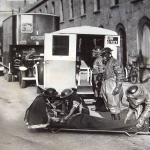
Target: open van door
{"type": "Point", "coordinates": [60, 61]}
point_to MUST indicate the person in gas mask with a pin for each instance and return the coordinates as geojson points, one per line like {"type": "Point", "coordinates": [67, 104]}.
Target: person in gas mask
{"type": "Point", "coordinates": [112, 90]}
{"type": "Point", "coordinates": [98, 69]}
{"type": "Point", "coordinates": [139, 105]}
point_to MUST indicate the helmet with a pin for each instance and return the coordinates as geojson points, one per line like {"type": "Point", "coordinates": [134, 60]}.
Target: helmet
{"type": "Point", "coordinates": [105, 50]}
{"type": "Point", "coordinates": [50, 92]}
{"type": "Point", "coordinates": [66, 93]}
{"type": "Point", "coordinates": [96, 51]}
{"type": "Point", "coordinates": [133, 91]}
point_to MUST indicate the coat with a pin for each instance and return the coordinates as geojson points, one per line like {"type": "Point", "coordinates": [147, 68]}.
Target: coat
{"type": "Point", "coordinates": [113, 75]}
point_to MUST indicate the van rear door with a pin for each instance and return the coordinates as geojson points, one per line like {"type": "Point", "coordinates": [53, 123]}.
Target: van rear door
{"type": "Point", "coordinates": [60, 61]}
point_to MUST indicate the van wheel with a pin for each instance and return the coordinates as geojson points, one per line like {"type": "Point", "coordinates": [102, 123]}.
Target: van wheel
{"type": "Point", "coordinates": [22, 83]}
{"type": "Point", "coordinates": [9, 77]}
{"type": "Point", "coordinates": [41, 73]}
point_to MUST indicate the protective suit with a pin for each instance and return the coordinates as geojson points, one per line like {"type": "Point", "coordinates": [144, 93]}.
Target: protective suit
{"type": "Point", "coordinates": [98, 69]}
{"type": "Point", "coordinates": [139, 104]}
{"type": "Point", "coordinates": [112, 90]}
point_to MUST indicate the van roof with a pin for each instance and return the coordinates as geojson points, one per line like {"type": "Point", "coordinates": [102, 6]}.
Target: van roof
{"type": "Point", "coordinates": [86, 30]}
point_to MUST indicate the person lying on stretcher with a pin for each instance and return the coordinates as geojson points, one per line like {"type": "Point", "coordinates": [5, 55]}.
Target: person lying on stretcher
{"type": "Point", "coordinates": [68, 111]}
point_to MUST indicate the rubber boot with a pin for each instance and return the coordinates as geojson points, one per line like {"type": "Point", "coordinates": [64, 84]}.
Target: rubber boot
{"type": "Point", "coordinates": [112, 116]}
{"type": "Point", "coordinates": [98, 104]}
{"type": "Point", "coordinates": [117, 116]}
{"type": "Point", "coordinates": [95, 103]}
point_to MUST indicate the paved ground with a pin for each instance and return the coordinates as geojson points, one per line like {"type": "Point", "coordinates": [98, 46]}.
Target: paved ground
{"type": "Point", "coordinates": [14, 135]}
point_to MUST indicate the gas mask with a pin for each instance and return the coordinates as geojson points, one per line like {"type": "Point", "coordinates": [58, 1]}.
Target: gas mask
{"type": "Point", "coordinates": [106, 57]}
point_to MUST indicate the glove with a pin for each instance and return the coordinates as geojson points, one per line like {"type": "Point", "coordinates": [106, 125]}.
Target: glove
{"type": "Point", "coordinates": [117, 89]}
{"type": "Point", "coordinates": [140, 122]}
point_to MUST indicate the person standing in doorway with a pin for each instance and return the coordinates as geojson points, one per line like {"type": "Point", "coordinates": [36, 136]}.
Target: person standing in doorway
{"type": "Point", "coordinates": [98, 69]}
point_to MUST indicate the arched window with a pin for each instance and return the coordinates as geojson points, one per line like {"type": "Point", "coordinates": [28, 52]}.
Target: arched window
{"type": "Point", "coordinates": [83, 7]}
{"type": "Point", "coordinates": [61, 11]}
{"type": "Point", "coordinates": [144, 42]}
{"type": "Point", "coordinates": [123, 50]}
{"type": "Point", "coordinates": [71, 9]}
{"type": "Point", "coordinates": [145, 45]}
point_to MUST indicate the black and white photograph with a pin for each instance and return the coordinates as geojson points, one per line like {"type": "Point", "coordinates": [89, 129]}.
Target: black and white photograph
{"type": "Point", "coordinates": [74, 74]}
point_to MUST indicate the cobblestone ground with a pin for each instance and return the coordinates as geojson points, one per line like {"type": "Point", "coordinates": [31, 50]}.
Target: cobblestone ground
{"type": "Point", "coordinates": [14, 135]}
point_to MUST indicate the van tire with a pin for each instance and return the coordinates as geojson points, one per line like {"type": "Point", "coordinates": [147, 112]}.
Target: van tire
{"type": "Point", "coordinates": [41, 72]}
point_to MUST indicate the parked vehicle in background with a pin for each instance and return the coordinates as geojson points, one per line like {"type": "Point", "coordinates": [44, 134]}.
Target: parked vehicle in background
{"type": "Point", "coordinates": [65, 80]}
{"type": "Point", "coordinates": [23, 44]}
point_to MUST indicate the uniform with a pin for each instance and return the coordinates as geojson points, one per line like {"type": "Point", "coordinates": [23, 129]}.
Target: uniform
{"type": "Point", "coordinates": [77, 102]}
{"type": "Point", "coordinates": [139, 104]}
{"type": "Point", "coordinates": [112, 76]}
{"type": "Point", "coordinates": [98, 68]}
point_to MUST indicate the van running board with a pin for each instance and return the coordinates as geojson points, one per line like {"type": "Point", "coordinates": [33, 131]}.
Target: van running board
{"type": "Point", "coordinates": [85, 90]}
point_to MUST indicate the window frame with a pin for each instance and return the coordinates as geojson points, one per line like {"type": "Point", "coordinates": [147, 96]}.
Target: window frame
{"type": "Point", "coordinates": [97, 5]}
{"type": "Point", "coordinates": [53, 7]}
{"type": "Point", "coordinates": [83, 7]}
{"type": "Point", "coordinates": [61, 11]}
{"type": "Point", "coordinates": [114, 3]}
{"type": "Point", "coordinates": [71, 9]}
